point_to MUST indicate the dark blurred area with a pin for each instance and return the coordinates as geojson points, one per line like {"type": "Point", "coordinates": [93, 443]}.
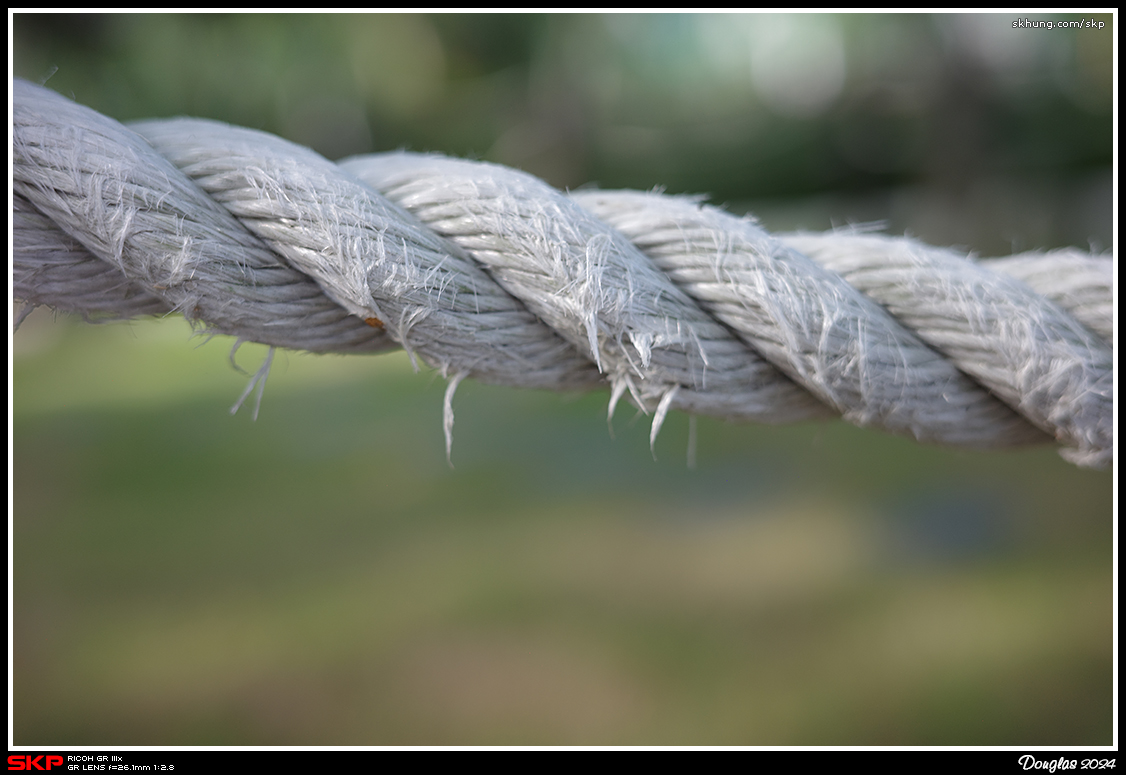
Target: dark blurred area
{"type": "Point", "coordinates": [322, 577]}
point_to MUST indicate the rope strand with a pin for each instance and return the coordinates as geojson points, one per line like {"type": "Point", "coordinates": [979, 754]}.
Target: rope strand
{"type": "Point", "coordinates": [484, 271]}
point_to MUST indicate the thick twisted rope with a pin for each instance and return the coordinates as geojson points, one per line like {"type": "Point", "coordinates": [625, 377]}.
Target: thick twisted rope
{"type": "Point", "coordinates": [484, 271]}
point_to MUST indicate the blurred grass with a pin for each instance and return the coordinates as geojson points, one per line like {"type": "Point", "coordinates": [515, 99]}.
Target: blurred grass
{"type": "Point", "coordinates": [321, 576]}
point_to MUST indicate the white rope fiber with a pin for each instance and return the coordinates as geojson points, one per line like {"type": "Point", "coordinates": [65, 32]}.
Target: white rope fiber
{"type": "Point", "coordinates": [486, 272]}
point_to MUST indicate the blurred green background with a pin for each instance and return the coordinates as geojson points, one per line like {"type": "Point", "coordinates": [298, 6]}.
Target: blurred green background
{"type": "Point", "coordinates": [321, 576]}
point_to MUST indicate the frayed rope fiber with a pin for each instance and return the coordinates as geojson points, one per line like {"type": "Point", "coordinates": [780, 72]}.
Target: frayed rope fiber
{"type": "Point", "coordinates": [486, 272]}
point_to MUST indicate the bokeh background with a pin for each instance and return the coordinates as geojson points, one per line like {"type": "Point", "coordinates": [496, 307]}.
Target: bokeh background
{"type": "Point", "coordinates": [321, 576]}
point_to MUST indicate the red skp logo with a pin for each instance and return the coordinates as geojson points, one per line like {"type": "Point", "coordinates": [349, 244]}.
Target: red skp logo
{"type": "Point", "coordinates": [28, 762]}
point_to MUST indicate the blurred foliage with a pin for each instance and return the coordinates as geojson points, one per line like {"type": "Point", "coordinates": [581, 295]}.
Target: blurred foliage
{"type": "Point", "coordinates": [804, 103]}
{"type": "Point", "coordinates": [955, 128]}
{"type": "Point", "coordinates": [322, 577]}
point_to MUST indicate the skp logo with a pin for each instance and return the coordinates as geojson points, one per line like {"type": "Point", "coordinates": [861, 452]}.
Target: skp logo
{"type": "Point", "coordinates": [28, 762]}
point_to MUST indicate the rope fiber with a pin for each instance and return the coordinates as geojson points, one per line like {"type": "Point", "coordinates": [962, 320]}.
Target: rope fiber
{"type": "Point", "coordinates": [487, 272]}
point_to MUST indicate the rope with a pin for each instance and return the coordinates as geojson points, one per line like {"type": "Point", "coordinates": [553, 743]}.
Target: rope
{"type": "Point", "coordinates": [483, 271]}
